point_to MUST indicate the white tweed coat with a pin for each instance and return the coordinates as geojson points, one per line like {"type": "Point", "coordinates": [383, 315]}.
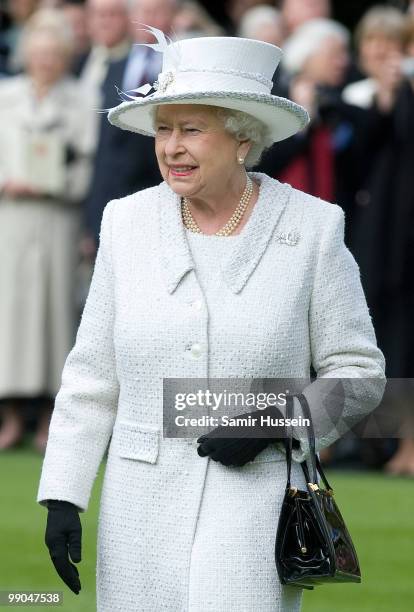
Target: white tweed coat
{"type": "Point", "coordinates": [177, 532]}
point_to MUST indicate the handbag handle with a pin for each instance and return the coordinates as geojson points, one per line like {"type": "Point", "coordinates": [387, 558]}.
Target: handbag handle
{"type": "Point", "coordinates": [316, 464]}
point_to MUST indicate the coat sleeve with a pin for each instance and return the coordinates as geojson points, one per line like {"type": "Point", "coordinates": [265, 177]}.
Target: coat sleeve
{"type": "Point", "coordinates": [86, 404]}
{"type": "Point", "coordinates": [349, 365]}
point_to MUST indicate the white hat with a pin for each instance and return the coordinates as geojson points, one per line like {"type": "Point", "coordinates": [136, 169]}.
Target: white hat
{"type": "Point", "coordinates": [220, 71]}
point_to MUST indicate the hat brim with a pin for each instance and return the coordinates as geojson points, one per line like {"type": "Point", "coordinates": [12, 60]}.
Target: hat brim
{"type": "Point", "coordinates": [282, 116]}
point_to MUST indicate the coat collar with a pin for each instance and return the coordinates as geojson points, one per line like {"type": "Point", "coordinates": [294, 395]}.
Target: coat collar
{"type": "Point", "coordinates": [176, 256]}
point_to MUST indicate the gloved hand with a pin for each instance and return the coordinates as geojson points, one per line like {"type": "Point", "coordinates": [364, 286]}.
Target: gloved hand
{"type": "Point", "coordinates": [250, 440]}
{"type": "Point", "coordinates": [63, 535]}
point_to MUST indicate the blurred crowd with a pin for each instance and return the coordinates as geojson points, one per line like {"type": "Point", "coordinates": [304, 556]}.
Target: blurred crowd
{"type": "Point", "coordinates": [61, 61]}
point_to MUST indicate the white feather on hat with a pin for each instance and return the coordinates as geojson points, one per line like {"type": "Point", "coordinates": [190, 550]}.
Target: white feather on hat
{"type": "Point", "coordinates": [222, 71]}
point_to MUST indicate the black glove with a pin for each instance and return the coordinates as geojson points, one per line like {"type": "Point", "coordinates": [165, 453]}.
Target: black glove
{"type": "Point", "coordinates": [63, 535]}
{"type": "Point", "coordinates": [250, 440]}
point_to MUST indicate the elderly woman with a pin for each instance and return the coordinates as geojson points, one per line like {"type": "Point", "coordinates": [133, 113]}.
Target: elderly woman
{"type": "Point", "coordinates": [46, 140]}
{"type": "Point", "coordinates": [215, 273]}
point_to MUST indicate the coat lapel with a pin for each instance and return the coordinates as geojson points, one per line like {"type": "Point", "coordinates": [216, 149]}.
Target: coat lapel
{"type": "Point", "coordinates": [176, 255]}
{"type": "Point", "coordinates": [257, 232]}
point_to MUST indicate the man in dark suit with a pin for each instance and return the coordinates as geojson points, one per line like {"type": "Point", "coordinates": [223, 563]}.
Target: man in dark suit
{"type": "Point", "coordinates": [125, 162]}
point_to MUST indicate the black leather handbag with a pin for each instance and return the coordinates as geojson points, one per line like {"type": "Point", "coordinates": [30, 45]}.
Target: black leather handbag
{"type": "Point", "coordinates": [313, 545]}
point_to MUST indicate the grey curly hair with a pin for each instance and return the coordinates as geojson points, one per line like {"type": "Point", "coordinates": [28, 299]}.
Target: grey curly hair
{"type": "Point", "coordinates": [246, 127]}
{"type": "Point", "coordinates": [243, 127]}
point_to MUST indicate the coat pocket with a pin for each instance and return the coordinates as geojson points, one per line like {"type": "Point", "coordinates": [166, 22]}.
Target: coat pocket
{"type": "Point", "coordinates": [137, 441]}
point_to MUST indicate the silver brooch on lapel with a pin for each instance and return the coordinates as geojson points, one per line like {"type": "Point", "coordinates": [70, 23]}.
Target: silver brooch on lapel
{"type": "Point", "coordinates": [291, 238]}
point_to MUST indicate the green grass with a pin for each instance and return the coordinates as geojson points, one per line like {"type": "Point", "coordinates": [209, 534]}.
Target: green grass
{"type": "Point", "coordinates": [24, 559]}
{"type": "Point", "coordinates": [379, 512]}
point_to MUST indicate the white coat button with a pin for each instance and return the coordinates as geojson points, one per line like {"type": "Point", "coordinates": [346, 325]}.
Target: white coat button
{"type": "Point", "coordinates": [196, 350]}
{"type": "Point", "coordinates": [197, 305]}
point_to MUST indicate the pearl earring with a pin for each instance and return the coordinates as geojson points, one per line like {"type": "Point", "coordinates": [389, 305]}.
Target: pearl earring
{"type": "Point", "coordinates": [240, 160]}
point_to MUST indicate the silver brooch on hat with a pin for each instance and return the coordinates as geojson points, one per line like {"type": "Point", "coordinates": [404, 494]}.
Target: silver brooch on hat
{"type": "Point", "coordinates": [165, 79]}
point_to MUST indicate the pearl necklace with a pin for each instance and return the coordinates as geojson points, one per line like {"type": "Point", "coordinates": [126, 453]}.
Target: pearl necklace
{"type": "Point", "coordinates": [231, 224]}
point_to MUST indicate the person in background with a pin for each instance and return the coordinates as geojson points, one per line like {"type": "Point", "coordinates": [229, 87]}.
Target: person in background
{"type": "Point", "coordinates": [318, 49]}
{"type": "Point", "coordinates": [263, 23]}
{"type": "Point", "coordinates": [383, 243]}
{"type": "Point", "coordinates": [19, 12]}
{"type": "Point", "coordinates": [324, 159]}
{"type": "Point", "coordinates": [192, 19]}
{"type": "Point", "coordinates": [403, 461]}
{"type": "Point", "coordinates": [295, 13]}
{"type": "Point", "coordinates": [76, 15]}
{"type": "Point", "coordinates": [378, 38]}
{"type": "Point", "coordinates": [235, 9]}
{"type": "Point", "coordinates": [124, 161]}
{"type": "Point", "coordinates": [45, 147]}
{"type": "Point", "coordinates": [109, 34]}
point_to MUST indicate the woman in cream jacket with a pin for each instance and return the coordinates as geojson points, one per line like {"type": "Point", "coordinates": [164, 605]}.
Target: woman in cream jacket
{"type": "Point", "coordinates": [46, 143]}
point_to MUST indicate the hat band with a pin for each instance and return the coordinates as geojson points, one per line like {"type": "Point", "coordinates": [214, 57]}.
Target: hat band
{"type": "Point", "coordinates": [190, 79]}
{"type": "Point", "coordinates": [256, 76]}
